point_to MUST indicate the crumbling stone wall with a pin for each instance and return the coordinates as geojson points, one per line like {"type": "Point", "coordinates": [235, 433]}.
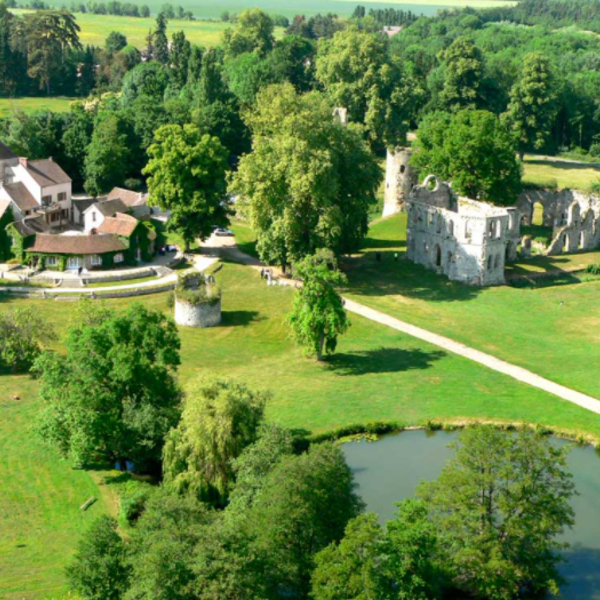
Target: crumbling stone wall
{"type": "Point", "coordinates": [464, 239]}
{"type": "Point", "coordinates": [399, 180]}
{"type": "Point", "coordinates": [573, 216]}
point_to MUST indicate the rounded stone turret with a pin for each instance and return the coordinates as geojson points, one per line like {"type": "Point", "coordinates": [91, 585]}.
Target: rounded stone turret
{"type": "Point", "coordinates": [399, 180]}
{"type": "Point", "coordinates": [197, 301]}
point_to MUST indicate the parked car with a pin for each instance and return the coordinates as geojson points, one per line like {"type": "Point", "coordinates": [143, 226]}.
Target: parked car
{"type": "Point", "coordinates": [221, 232]}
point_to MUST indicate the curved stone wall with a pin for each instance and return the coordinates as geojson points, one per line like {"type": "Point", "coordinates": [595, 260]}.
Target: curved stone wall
{"type": "Point", "coordinates": [197, 315]}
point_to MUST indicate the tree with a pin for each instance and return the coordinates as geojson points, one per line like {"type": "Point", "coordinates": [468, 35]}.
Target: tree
{"type": "Point", "coordinates": [144, 11]}
{"type": "Point", "coordinates": [348, 570]}
{"type": "Point", "coordinates": [160, 40]}
{"type": "Point", "coordinates": [115, 41]}
{"type": "Point", "coordinates": [318, 316]}
{"type": "Point", "coordinates": [100, 569]}
{"type": "Point", "coordinates": [498, 507]}
{"type": "Point", "coordinates": [357, 74]}
{"type": "Point", "coordinates": [187, 176]}
{"type": "Point", "coordinates": [12, 60]}
{"type": "Point", "coordinates": [253, 32]}
{"type": "Point", "coordinates": [220, 418]}
{"type": "Point", "coordinates": [23, 331]}
{"type": "Point", "coordinates": [147, 79]}
{"type": "Point", "coordinates": [474, 151]}
{"type": "Point", "coordinates": [305, 504]}
{"type": "Point", "coordinates": [75, 140]}
{"type": "Point", "coordinates": [246, 74]}
{"type": "Point", "coordinates": [106, 163]}
{"type": "Point", "coordinates": [114, 395]}
{"type": "Point", "coordinates": [163, 546]}
{"type": "Point", "coordinates": [256, 461]}
{"type": "Point", "coordinates": [533, 107]}
{"type": "Point", "coordinates": [463, 68]}
{"type": "Point", "coordinates": [309, 182]}
{"type": "Point", "coordinates": [180, 58]}
{"type": "Point", "coordinates": [49, 36]}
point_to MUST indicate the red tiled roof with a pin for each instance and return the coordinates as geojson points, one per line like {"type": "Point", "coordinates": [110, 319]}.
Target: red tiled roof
{"type": "Point", "coordinates": [77, 244]}
{"type": "Point", "coordinates": [120, 224]}
{"type": "Point", "coordinates": [128, 197]}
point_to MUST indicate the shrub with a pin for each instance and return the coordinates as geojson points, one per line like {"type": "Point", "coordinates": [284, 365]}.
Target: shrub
{"type": "Point", "coordinates": [134, 496]}
{"type": "Point", "coordinates": [593, 269]}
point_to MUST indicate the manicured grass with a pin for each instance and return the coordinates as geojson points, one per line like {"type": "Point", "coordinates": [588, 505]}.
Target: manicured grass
{"type": "Point", "coordinates": [552, 330]}
{"type": "Point", "coordinates": [376, 373]}
{"type": "Point", "coordinates": [32, 104]}
{"type": "Point", "coordinates": [244, 237]}
{"type": "Point", "coordinates": [545, 171]}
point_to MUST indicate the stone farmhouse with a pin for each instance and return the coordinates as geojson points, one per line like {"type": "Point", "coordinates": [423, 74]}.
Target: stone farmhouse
{"type": "Point", "coordinates": [43, 226]}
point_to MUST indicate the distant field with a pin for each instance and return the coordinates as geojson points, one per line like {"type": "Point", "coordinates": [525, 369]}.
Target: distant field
{"type": "Point", "coordinates": [29, 104]}
{"type": "Point", "coordinates": [544, 171]}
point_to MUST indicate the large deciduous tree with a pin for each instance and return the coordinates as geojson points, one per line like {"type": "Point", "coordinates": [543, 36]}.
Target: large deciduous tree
{"type": "Point", "coordinates": [474, 151]}
{"type": "Point", "coordinates": [100, 569]}
{"type": "Point", "coordinates": [23, 332]}
{"type": "Point", "coordinates": [498, 507]}
{"type": "Point", "coordinates": [114, 395]}
{"type": "Point", "coordinates": [220, 418]}
{"type": "Point", "coordinates": [108, 155]}
{"type": "Point", "coordinates": [187, 176]}
{"type": "Point", "coordinates": [356, 72]}
{"type": "Point", "coordinates": [533, 104]}
{"type": "Point", "coordinates": [253, 32]}
{"type": "Point", "coordinates": [318, 316]}
{"type": "Point", "coordinates": [309, 182]}
{"type": "Point", "coordinates": [49, 36]}
{"type": "Point", "coordinates": [463, 69]}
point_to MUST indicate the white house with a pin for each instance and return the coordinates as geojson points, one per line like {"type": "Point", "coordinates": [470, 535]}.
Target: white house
{"type": "Point", "coordinates": [94, 215]}
{"type": "Point", "coordinates": [35, 186]}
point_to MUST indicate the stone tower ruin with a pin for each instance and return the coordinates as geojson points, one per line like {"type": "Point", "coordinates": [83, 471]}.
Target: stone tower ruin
{"type": "Point", "coordinates": [399, 179]}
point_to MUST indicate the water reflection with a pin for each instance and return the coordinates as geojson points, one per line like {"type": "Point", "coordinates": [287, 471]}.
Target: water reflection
{"type": "Point", "coordinates": [390, 470]}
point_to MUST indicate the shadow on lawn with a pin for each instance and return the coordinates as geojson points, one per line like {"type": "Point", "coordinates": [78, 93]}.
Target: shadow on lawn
{"type": "Point", "coordinates": [368, 276]}
{"type": "Point", "coordinates": [240, 318]}
{"type": "Point", "coordinates": [383, 360]}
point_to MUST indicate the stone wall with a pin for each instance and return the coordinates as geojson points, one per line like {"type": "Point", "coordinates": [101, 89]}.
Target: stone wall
{"type": "Point", "coordinates": [203, 314]}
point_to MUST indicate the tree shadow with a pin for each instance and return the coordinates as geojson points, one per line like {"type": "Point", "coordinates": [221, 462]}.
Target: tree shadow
{"type": "Point", "coordinates": [561, 165]}
{"type": "Point", "coordinates": [368, 276]}
{"type": "Point", "coordinates": [382, 360]}
{"type": "Point", "coordinates": [240, 318]}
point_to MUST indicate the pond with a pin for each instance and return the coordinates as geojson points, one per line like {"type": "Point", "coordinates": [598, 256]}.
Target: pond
{"type": "Point", "coordinates": [389, 470]}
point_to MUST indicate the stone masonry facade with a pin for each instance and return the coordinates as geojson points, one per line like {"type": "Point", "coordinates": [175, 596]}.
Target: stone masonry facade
{"type": "Point", "coordinates": [464, 239]}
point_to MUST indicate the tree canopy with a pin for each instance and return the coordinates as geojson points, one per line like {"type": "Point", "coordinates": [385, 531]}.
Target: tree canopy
{"type": "Point", "coordinates": [309, 182]}
{"type": "Point", "coordinates": [474, 151]}
{"type": "Point", "coordinates": [114, 395]}
{"type": "Point", "coordinates": [186, 176]}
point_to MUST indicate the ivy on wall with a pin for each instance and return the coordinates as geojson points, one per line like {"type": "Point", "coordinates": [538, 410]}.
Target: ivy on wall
{"type": "Point", "coordinates": [5, 237]}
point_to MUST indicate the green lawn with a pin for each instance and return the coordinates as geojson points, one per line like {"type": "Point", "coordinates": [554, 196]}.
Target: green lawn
{"type": "Point", "coordinates": [551, 330]}
{"type": "Point", "coordinates": [546, 172]}
{"type": "Point", "coordinates": [31, 104]}
{"type": "Point", "coordinates": [377, 373]}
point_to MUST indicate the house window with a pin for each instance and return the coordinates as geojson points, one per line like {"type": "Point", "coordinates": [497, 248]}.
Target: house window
{"type": "Point", "coordinates": [62, 196]}
{"type": "Point", "coordinates": [46, 200]}
{"type": "Point", "coordinates": [118, 258]}
{"type": "Point", "coordinates": [94, 217]}
{"type": "Point", "coordinates": [51, 261]}
{"type": "Point", "coordinates": [96, 260]}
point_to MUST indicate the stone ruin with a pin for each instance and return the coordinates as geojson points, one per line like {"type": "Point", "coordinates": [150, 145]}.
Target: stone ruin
{"type": "Point", "coordinates": [573, 218]}
{"type": "Point", "coordinates": [197, 301]}
{"type": "Point", "coordinates": [399, 180]}
{"type": "Point", "coordinates": [464, 239]}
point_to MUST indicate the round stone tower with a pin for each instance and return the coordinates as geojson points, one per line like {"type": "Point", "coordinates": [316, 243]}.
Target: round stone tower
{"type": "Point", "coordinates": [197, 301]}
{"type": "Point", "coordinates": [399, 180]}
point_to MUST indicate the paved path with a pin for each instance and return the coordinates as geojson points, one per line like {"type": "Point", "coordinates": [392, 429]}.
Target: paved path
{"type": "Point", "coordinates": [228, 247]}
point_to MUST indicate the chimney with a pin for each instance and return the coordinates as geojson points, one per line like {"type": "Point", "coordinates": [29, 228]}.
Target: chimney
{"type": "Point", "coordinates": [24, 162]}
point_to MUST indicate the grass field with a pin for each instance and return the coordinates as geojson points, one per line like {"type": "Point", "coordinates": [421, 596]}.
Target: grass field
{"type": "Point", "coordinates": [545, 172]}
{"type": "Point", "coordinates": [31, 104]}
{"type": "Point", "coordinates": [377, 373]}
{"type": "Point", "coordinates": [551, 330]}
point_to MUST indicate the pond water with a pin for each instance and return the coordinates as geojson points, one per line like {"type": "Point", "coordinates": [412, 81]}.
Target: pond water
{"type": "Point", "coordinates": [389, 470]}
